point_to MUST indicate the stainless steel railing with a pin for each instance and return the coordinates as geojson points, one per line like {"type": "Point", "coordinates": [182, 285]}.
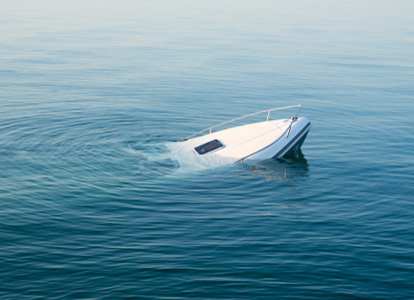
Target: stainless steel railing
{"type": "Point", "coordinates": [256, 113]}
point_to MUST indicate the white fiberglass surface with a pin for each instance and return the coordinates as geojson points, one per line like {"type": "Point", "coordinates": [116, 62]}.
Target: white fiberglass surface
{"type": "Point", "coordinates": [238, 142]}
{"type": "Point", "coordinates": [282, 145]}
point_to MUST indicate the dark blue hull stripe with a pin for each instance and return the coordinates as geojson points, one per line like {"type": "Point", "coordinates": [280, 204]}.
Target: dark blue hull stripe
{"type": "Point", "coordinates": [284, 148]}
{"type": "Point", "coordinates": [292, 142]}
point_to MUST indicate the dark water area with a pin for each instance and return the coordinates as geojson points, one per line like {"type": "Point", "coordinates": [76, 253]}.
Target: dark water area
{"type": "Point", "coordinates": [92, 206]}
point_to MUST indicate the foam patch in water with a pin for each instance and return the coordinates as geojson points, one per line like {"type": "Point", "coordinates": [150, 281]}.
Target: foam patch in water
{"type": "Point", "coordinates": [190, 161]}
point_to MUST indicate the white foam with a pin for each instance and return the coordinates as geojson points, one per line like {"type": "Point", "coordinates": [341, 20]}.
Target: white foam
{"type": "Point", "coordinates": [192, 162]}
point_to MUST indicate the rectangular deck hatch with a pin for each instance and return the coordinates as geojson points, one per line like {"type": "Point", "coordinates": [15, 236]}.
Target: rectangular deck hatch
{"type": "Point", "coordinates": [208, 147]}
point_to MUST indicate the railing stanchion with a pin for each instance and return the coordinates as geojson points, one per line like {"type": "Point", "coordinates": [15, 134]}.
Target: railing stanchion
{"type": "Point", "coordinates": [259, 112]}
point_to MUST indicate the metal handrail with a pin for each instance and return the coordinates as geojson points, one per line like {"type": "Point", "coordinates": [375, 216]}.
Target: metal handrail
{"type": "Point", "coordinates": [256, 113]}
{"type": "Point", "coordinates": [293, 120]}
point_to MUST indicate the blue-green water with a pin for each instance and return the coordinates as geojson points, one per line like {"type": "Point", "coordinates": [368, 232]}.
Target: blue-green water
{"type": "Point", "coordinates": [92, 207]}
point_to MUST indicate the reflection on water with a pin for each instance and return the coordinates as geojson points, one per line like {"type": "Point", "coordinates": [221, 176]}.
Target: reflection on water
{"type": "Point", "coordinates": [296, 157]}
{"type": "Point", "coordinates": [92, 206]}
{"type": "Point", "coordinates": [289, 168]}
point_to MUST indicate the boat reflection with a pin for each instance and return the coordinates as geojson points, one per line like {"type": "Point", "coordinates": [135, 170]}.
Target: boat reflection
{"type": "Point", "coordinates": [289, 168]}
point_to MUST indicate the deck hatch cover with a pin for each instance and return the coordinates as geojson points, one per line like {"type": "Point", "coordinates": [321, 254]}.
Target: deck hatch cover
{"type": "Point", "coordinates": [208, 147]}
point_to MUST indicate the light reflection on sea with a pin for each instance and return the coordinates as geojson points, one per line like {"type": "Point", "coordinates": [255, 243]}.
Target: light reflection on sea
{"type": "Point", "coordinates": [92, 207]}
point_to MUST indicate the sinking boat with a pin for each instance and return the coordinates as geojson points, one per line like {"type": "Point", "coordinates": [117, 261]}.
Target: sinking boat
{"type": "Point", "coordinates": [247, 143]}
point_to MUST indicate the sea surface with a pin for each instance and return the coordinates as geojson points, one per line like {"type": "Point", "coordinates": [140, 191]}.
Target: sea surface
{"type": "Point", "coordinates": [92, 205]}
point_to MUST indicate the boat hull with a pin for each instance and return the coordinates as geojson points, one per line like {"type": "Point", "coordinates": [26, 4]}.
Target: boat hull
{"type": "Point", "coordinates": [285, 144]}
{"type": "Point", "coordinates": [248, 143]}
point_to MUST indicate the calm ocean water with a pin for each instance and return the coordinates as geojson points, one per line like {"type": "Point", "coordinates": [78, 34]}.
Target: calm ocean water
{"type": "Point", "coordinates": [93, 207]}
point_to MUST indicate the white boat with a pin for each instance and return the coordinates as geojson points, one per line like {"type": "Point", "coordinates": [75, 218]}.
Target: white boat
{"type": "Point", "coordinates": [248, 143]}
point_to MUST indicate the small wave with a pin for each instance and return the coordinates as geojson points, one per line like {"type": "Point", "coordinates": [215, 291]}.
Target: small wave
{"type": "Point", "coordinates": [140, 167]}
{"type": "Point", "coordinates": [154, 160]}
